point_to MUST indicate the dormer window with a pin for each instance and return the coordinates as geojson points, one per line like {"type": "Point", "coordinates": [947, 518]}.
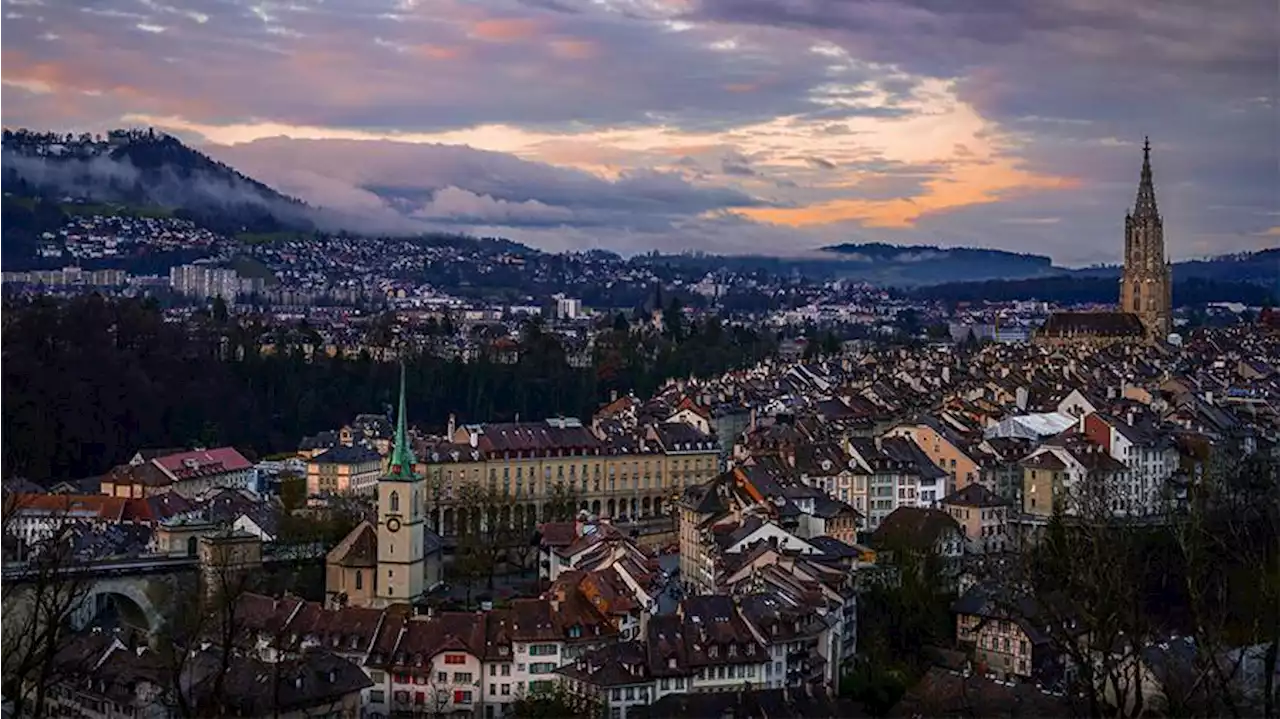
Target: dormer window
{"type": "Point", "coordinates": [733, 650]}
{"type": "Point", "coordinates": [504, 651]}
{"type": "Point", "coordinates": [671, 663]}
{"type": "Point", "coordinates": [712, 651]}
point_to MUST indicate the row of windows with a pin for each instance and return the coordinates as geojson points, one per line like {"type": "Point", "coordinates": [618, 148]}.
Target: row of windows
{"type": "Point", "coordinates": [687, 465]}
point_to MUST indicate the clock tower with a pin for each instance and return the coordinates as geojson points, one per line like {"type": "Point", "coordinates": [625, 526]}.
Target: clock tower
{"type": "Point", "coordinates": [401, 526]}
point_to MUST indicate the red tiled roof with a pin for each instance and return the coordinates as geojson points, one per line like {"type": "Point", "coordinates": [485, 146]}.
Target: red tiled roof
{"type": "Point", "coordinates": [202, 463]}
{"type": "Point", "coordinates": [73, 506]}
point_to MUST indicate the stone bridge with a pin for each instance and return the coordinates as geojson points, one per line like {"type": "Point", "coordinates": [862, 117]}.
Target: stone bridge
{"type": "Point", "coordinates": [135, 601]}
{"type": "Point", "coordinates": [137, 590]}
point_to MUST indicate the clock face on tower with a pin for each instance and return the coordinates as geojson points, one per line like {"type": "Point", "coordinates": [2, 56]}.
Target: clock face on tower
{"type": "Point", "coordinates": [393, 524]}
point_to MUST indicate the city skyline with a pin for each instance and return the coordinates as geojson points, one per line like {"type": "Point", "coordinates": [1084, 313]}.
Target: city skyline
{"type": "Point", "coordinates": [732, 127]}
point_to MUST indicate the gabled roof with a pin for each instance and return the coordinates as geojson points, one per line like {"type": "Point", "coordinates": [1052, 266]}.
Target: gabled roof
{"type": "Point", "coordinates": [343, 454]}
{"type": "Point", "coordinates": [914, 527]}
{"type": "Point", "coordinates": [358, 549]}
{"type": "Point", "coordinates": [974, 495]}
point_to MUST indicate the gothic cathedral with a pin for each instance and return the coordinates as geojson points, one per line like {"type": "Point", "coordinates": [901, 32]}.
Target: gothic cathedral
{"type": "Point", "coordinates": [1146, 288]}
{"type": "Point", "coordinates": [402, 564]}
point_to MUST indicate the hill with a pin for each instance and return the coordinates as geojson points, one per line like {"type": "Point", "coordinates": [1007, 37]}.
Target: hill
{"type": "Point", "coordinates": [881, 263]}
{"type": "Point", "coordinates": [1252, 278]}
{"type": "Point", "coordinates": [1261, 267]}
{"type": "Point", "coordinates": [133, 171]}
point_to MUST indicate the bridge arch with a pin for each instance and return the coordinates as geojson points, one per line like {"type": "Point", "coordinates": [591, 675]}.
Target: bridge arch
{"type": "Point", "coordinates": [127, 596]}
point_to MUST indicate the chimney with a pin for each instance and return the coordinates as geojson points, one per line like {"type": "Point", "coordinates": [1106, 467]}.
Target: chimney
{"type": "Point", "coordinates": [453, 426]}
{"type": "Point", "coordinates": [613, 395]}
{"type": "Point", "coordinates": [474, 438]}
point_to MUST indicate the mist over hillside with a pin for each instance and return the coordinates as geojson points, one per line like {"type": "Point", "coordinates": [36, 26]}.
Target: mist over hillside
{"type": "Point", "coordinates": [157, 173]}
{"type": "Point", "coordinates": [147, 169]}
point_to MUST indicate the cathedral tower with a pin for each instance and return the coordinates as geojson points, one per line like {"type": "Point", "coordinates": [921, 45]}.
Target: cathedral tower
{"type": "Point", "coordinates": [401, 548]}
{"type": "Point", "coordinates": [1146, 288]}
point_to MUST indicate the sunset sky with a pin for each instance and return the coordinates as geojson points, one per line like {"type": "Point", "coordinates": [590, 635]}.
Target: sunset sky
{"type": "Point", "coordinates": [737, 126]}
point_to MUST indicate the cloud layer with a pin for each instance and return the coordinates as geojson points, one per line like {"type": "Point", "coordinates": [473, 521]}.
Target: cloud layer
{"type": "Point", "coordinates": [769, 126]}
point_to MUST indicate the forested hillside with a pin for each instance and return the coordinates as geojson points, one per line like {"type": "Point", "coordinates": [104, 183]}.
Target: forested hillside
{"type": "Point", "coordinates": [89, 381]}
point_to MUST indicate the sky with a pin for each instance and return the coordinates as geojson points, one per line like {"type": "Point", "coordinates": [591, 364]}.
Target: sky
{"type": "Point", "coordinates": [731, 126]}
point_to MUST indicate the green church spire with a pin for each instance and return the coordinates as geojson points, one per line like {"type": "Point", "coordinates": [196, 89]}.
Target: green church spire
{"type": "Point", "coordinates": [402, 459]}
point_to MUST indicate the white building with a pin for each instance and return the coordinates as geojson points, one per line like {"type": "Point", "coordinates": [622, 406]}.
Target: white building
{"type": "Point", "coordinates": [568, 308]}
{"type": "Point", "coordinates": [205, 281]}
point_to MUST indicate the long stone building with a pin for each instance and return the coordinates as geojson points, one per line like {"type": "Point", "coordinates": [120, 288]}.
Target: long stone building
{"type": "Point", "coordinates": [535, 465]}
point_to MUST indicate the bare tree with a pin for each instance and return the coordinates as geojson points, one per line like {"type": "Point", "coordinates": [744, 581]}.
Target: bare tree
{"type": "Point", "coordinates": [482, 534]}
{"type": "Point", "coordinates": [1082, 586]}
{"type": "Point", "coordinates": [1228, 537]}
{"type": "Point", "coordinates": [39, 601]}
{"type": "Point", "coordinates": [205, 629]}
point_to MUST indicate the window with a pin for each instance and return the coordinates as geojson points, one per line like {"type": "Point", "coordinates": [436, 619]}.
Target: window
{"type": "Point", "coordinates": [442, 677]}
{"type": "Point", "coordinates": [506, 670]}
{"type": "Point", "coordinates": [617, 695]}
{"type": "Point", "coordinates": [359, 580]}
{"type": "Point", "coordinates": [395, 501]}
{"type": "Point", "coordinates": [377, 696]}
{"type": "Point", "coordinates": [462, 677]}
{"type": "Point", "coordinates": [402, 678]}
{"type": "Point", "coordinates": [542, 668]}
{"type": "Point", "coordinates": [665, 684]}
{"type": "Point", "coordinates": [631, 693]}
{"type": "Point", "coordinates": [455, 659]}
{"type": "Point", "coordinates": [506, 690]}
{"type": "Point", "coordinates": [461, 697]}
{"type": "Point", "coordinates": [543, 650]}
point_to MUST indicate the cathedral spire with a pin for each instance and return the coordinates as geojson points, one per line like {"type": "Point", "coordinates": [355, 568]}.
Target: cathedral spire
{"type": "Point", "coordinates": [1145, 206]}
{"type": "Point", "coordinates": [402, 459]}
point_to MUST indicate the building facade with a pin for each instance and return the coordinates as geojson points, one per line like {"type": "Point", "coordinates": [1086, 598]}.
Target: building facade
{"type": "Point", "coordinates": [535, 466]}
{"type": "Point", "coordinates": [1146, 288]}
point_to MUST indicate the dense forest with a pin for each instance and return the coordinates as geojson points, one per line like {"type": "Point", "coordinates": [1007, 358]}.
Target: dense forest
{"type": "Point", "coordinates": [89, 381]}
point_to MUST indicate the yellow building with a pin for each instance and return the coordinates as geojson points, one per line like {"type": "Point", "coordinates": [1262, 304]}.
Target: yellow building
{"type": "Point", "coordinates": [944, 449]}
{"type": "Point", "coordinates": [344, 469]}
{"type": "Point", "coordinates": [536, 466]}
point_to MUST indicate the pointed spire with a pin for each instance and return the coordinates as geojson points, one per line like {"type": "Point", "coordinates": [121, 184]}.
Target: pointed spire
{"type": "Point", "coordinates": [1145, 206]}
{"type": "Point", "coordinates": [402, 459]}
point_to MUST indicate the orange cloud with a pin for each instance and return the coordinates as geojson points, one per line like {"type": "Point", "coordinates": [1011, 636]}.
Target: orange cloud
{"type": "Point", "coordinates": [505, 29]}
{"type": "Point", "coordinates": [573, 49]}
{"type": "Point", "coordinates": [742, 87]}
{"type": "Point", "coordinates": [75, 85]}
{"type": "Point", "coordinates": [963, 186]}
{"type": "Point", "coordinates": [438, 52]}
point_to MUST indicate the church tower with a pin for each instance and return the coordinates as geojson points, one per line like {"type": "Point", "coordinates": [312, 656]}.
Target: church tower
{"type": "Point", "coordinates": [1146, 288]}
{"type": "Point", "coordinates": [401, 558]}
